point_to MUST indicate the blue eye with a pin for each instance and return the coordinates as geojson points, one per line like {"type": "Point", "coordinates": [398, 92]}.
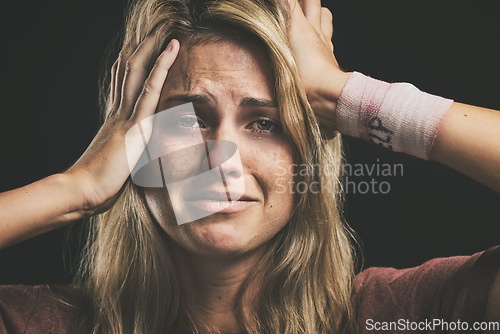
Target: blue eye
{"type": "Point", "coordinates": [188, 122]}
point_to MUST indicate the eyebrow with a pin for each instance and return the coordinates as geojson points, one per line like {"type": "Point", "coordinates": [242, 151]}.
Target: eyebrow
{"type": "Point", "coordinates": [199, 98]}
{"type": "Point", "coordinates": [253, 102]}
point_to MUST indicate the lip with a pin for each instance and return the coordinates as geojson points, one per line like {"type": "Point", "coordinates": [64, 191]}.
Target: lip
{"type": "Point", "coordinates": [221, 196]}
{"type": "Point", "coordinates": [219, 201]}
{"type": "Point", "coordinates": [221, 206]}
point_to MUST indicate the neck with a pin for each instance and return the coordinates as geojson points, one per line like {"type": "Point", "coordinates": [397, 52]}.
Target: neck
{"type": "Point", "coordinates": [212, 285]}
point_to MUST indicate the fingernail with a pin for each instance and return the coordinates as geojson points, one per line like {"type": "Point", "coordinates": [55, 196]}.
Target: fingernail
{"type": "Point", "coordinates": [170, 46]}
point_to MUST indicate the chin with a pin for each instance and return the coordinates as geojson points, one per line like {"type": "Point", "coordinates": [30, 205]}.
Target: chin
{"type": "Point", "coordinates": [227, 238]}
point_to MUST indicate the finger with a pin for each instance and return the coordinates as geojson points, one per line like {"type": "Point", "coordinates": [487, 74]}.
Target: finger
{"type": "Point", "coordinates": [112, 85]}
{"type": "Point", "coordinates": [312, 11]}
{"type": "Point", "coordinates": [296, 11]}
{"type": "Point", "coordinates": [136, 71]}
{"type": "Point", "coordinates": [327, 23]}
{"type": "Point", "coordinates": [123, 57]}
{"type": "Point", "coordinates": [151, 91]}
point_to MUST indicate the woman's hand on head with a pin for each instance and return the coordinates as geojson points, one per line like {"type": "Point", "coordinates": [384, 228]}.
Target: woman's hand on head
{"type": "Point", "coordinates": [93, 183]}
{"type": "Point", "coordinates": [102, 170]}
{"type": "Point", "coordinates": [310, 34]}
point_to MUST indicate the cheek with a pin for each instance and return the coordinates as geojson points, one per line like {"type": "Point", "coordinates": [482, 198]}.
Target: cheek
{"type": "Point", "coordinates": [158, 201]}
{"type": "Point", "coordinates": [275, 167]}
{"type": "Point", "coordinates": [274, 173]}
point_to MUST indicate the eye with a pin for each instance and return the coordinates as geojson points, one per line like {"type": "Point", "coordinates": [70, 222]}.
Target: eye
{"type": "Point", "coordinates": [188, 122]}
{"type": "Point", "coordinates": [264, 126]}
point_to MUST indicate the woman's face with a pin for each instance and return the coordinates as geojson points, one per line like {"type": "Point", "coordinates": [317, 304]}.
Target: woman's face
{"type": "Point", "coordinates": [230, 85]}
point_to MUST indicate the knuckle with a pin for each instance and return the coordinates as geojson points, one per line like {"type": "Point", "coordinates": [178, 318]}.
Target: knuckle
{"type": "Point", "coordinates": [149, 89]}
{"type": "Point", "coordinates": [127, 125]}
{"type": "Point", "coordinates": [130, 65]}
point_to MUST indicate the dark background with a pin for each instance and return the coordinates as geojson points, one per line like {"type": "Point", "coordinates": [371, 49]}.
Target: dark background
{"type": "Point", "coordinates": [52, 52]}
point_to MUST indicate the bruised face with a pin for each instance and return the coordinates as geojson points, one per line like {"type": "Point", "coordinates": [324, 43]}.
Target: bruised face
{"type": "Point", "coordinates": [235, 138]}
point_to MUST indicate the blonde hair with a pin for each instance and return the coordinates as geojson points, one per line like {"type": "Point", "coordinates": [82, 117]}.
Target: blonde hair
{"type": "Point", "coordinates": [307, 273]}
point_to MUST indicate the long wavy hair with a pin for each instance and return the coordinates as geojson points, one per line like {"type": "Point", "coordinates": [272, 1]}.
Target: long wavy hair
{"type": "Point", "coordinates": [127, 272]}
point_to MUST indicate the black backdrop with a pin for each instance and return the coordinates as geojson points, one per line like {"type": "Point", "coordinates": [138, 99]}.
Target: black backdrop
{"type": "Point", "coordinates": [52, 52]}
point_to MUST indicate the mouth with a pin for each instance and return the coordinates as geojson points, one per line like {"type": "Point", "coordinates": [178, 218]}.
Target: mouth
{"type": "Point", "coordinates": [216, 201]}
{"type": "Point", "coordinates": [221, 206]}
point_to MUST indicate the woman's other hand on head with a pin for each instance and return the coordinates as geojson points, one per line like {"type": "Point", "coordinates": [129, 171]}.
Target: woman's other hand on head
{"type": "Point", "coordinates": [102, 170]}
{"type": "Point", "coordinates": [310, 35]}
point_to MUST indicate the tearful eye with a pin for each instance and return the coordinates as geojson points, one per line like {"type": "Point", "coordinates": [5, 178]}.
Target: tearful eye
{"type": "Point", "coordinates": [264, 124]}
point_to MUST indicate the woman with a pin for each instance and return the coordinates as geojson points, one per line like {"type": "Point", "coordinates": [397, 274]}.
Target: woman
{"type": "Point", "coordinates": [273, 262]}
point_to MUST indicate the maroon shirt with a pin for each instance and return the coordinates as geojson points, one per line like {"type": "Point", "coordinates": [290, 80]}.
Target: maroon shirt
{"type": "Point", "coordinates": [38, 309]}
{"type": "Point", "coordinates": [446, 289]}
{"type": "Point", "coordinates": [414, 300]}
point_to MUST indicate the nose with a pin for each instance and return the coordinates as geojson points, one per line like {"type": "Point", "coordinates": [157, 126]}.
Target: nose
{"type": "Point", "coordinates": [224, 154]}
{"type": "Point", "coordinates": [224, 158]}
{"type": "Point", "coordinates": [222, 150]}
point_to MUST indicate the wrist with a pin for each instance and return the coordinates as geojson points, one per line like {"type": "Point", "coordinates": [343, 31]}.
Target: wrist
{"type": "Point", "coordinates": [75, 206]}
{"type": "Point", "coordinates": [325, 98]}
{"type": "Point", "coordinates": [337, 80]}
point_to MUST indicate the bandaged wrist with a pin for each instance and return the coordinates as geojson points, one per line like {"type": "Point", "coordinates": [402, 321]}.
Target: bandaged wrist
{"type": "Point", "coordinates": [396, 116]}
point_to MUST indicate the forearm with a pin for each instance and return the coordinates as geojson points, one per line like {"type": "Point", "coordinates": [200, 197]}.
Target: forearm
{"type": "Point", "coordinates": [37, 208]}
{"type": "Point", "coordinates": [468, 140]}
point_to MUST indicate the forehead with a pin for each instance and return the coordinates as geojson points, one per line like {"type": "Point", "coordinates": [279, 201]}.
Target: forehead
{"type": "Point", "coordinates": [224, 53]}
{"type": "Point", "coordinates": [220, 61]}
